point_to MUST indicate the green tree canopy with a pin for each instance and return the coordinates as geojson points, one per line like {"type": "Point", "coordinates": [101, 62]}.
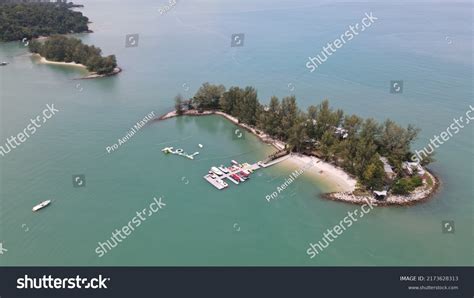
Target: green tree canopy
{"type": "Point", "coordinates": [30, 20]}
{"type": "Point", "coordinates": [208, 96]}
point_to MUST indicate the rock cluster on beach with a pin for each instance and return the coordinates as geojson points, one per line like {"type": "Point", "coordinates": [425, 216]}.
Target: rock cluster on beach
{"type": "Point", "coordinates": [420, 194]}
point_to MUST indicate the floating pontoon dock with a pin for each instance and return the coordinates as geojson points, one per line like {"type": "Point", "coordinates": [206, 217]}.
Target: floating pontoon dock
{"type": "Point", "coordinates": [236, 173]}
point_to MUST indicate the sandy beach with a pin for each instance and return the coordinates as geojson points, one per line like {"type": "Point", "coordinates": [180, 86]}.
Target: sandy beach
{"type": "Point", "coordinates": [43, 60]}
{"type": "Point", "coordinates": [89, 75]}
{"type": "Point", "coordinates": [335, 178]}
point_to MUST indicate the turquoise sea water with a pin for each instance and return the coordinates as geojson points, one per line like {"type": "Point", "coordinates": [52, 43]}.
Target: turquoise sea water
{"type": "Point", "coordinates": [427, 45]}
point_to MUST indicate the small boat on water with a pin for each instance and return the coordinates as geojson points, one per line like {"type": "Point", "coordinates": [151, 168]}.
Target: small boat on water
{"type": "Point", "coordinates": [217, 171]}
{"type": "Point", "coordinates": [41, 205]}
{"type": "Point", "coordinates": [236, 178]}
{"type": "Point", "coordinates": [223, 169]}
{"type": "Point", "coordinates": [3, 63]}
{"type": "Point", "coordinates": [234, 162]}
{"type": "Point", "coordinates": [231, 178]}
{"type": "Point", "coordinates": [245, 172]}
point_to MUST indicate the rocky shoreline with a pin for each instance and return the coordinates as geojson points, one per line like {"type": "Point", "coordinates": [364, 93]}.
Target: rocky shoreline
{"type": "Point", "coordinates": [420, 194]}
{"type": "Point", "coordinates": [94, 75]}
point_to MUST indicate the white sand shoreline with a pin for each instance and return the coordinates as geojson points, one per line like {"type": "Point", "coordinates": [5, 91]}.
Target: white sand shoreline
{"type": "Point", "coordinates": [89, 75]}
{"type": "Point", "coordinates": [333, 177]}
{"type": "Point", "coordinates": [43, 60]}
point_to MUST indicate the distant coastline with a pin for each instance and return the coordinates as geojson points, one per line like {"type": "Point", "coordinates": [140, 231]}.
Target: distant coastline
{"type": "Point", "coordinates": [344, 183]}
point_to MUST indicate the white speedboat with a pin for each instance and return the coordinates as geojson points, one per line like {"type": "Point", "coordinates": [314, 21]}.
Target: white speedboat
{"type": "Point", "coordinates": [41, 205]}
{"type": "Point", "coordinates": [217, 171]}
{"type": "Point", "coordinates": [223, 169]}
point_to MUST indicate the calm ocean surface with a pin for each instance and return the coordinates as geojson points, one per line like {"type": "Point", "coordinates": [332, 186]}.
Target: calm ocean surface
{"type": "Point", "coordinates": [427, 45]}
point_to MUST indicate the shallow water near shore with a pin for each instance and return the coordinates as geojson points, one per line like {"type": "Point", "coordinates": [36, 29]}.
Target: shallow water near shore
{"type": "Point", "coordinates": [200, 225]}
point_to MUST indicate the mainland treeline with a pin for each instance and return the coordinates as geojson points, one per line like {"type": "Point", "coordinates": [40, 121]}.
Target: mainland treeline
{"type": "Point", "coordinates": [30, 20]}
{"type": "Point", "coordinates": [349, 141]}
{"type": "Point", "coordinates": [63, 49]}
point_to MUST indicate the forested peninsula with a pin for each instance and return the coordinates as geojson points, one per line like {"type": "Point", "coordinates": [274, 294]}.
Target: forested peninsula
{"type": "Point", "coordinates": [377, 155]}
{"type": "Point", "coordinates": [28, 22]}
{"type": "Point", "coordinates": [68, 49]}
{"type": "Point", "coordinates": [32, 20]}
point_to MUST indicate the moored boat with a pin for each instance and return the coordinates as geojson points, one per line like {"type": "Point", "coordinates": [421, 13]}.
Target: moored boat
{"type": "Point", "coordinates": [223, 169]}
{"type": "Point", "coordinates": [217, 171]}
{"type": "Point", "coordinates": [41, 205]}
{"type": "Point", "coordinates": [233, 180]}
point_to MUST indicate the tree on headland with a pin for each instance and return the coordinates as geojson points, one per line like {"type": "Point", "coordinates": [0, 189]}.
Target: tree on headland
{"type": "Point", "coordinates": [289, 112]}
{"type": "Point", "coordinates": [178, 105]}
{"type": "Point", "coordinates": [312, 116]}
{"type": "Point", "coordinates": [297, 133]}
{"type": "Point", "coordinates": [406, 185]}
{"type": "Point", "coordinates": [229, 99]}
{"type": "Point", "coordinates": [208, 96]}
{"type": "Point", "coordinates": [271, 118]}
{"type": "Point", "coordinates": [247, 105]}
{"type": "Point", "coordinates": [395, 141]}
{"type": "Point", "coordinates": [374, 174]}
